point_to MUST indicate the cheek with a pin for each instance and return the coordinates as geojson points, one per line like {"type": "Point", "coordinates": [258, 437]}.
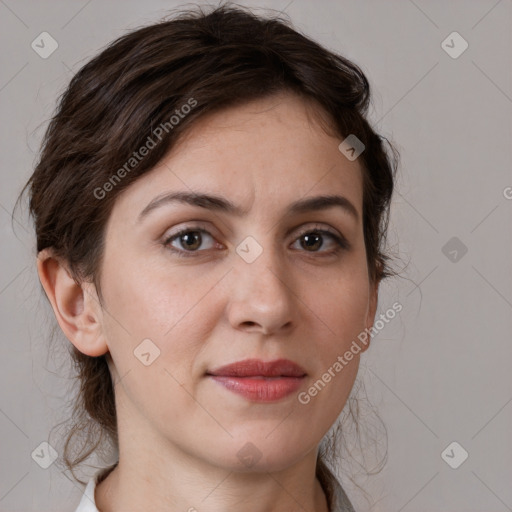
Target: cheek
{"type": "Point", "coordinates": [341, 302]}
{"type": "Point", "coordinates": [177, 319]}
{"type": "Point", "coordinates": [339, 310]}
{"type": "Point", "coordinates": [152, 301]}
{"type": "Point", "coordinates": [177, 314]}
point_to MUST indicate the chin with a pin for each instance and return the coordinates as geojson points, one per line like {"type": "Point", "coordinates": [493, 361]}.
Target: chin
{"type": "Point", "coordinates": [256, 453]}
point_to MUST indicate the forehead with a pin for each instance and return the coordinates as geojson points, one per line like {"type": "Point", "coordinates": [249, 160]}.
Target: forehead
{"type": "Point", "coordinates": [270, 152]}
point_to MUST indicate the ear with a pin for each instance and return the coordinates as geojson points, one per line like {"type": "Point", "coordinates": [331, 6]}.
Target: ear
{"type": "Point", "coordinates": [76, 307]}
{"type": "Point", "coordinates": [372, 309]}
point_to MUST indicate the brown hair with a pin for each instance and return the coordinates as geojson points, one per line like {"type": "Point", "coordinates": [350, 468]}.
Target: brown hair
{"type": "Point", "coordinates": [127, 95]}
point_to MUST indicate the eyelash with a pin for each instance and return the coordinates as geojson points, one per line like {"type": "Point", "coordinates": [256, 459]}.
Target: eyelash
{"type": "Point", "coordinates": [341, 242]}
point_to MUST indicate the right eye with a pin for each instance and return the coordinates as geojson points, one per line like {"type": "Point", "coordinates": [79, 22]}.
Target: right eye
{"type": "Point", "coordinates": [190, 239]}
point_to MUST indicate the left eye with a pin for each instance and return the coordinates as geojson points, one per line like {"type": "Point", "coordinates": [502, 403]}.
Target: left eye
{"type": "Point", "coordinates": [313, 240]}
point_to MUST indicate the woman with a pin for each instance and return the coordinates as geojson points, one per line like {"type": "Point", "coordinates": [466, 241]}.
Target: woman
{"type": "Point", "coordinates": [211, 208]}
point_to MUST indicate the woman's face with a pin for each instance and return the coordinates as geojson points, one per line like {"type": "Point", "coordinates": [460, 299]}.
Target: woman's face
{"type": "Point", "coordinates": [255, 280]}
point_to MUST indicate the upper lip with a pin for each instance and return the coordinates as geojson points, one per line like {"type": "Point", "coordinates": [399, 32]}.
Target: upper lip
{"type": "Point", "coordinates": [259, 368]}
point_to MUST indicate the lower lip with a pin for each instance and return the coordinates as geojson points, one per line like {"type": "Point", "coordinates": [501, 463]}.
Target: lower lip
{"type": "Point", "coordinates": [260, 389]}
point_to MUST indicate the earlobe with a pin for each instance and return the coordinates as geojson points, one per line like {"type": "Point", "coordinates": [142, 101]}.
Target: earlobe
{"type": "Point", "coordinates": [75, 306]}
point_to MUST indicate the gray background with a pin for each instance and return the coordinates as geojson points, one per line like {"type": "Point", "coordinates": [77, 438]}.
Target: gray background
{"type": "Point", "coordinates": [440, 372]}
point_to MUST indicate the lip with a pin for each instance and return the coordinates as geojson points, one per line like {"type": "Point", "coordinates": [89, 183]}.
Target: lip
{"type": "Point", "coordinates": [259, 368]}
{"type": "Point", "coordinates": [260, 381]}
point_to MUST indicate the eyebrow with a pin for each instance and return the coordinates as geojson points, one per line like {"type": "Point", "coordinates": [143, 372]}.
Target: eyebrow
{"type": "Point", "coordinates": [221, 204]}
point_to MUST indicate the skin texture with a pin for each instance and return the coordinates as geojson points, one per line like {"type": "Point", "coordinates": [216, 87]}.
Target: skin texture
{"type": "Point", "coordinates": [180, 431]}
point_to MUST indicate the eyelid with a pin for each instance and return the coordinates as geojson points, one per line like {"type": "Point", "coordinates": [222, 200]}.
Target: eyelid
{"type": "Point", "coordinates": [318, 227]}
{"type": "Point", "coordinates": [192, 226]}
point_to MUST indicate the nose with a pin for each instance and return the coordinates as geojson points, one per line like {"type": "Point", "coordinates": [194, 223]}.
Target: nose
{"type": "Point", "coordinates": [261, 296]}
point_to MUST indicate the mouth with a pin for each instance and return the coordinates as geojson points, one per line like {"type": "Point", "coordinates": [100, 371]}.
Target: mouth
{"type": "Point", "coordinates": [260, 381]}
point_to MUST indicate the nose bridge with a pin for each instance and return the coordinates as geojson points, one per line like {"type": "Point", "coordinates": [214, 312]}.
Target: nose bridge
{"type": "Point", "coordinates": [261, 294]}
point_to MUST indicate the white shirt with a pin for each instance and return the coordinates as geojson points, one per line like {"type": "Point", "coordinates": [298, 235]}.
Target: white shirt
{"type": "Point", "coordinates": [88, 502]}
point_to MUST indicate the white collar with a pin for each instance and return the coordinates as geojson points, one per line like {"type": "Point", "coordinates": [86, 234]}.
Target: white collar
{"type": "Point", "coordinates": [88, 503]}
